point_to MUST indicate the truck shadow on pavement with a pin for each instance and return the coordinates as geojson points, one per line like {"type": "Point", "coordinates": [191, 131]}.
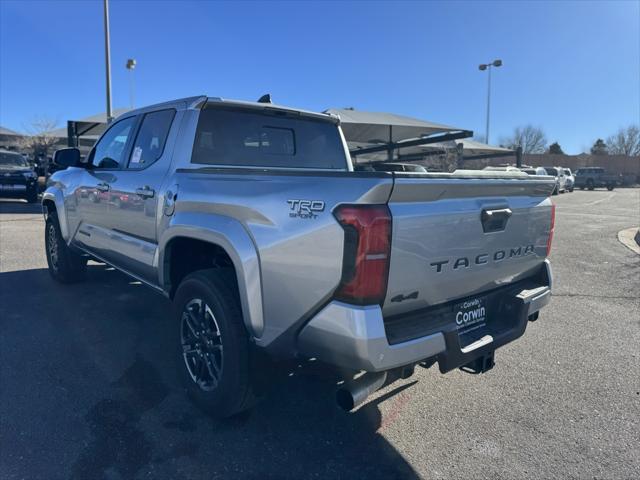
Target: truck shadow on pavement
{"type": "Point", "coordinates": [106, 401]}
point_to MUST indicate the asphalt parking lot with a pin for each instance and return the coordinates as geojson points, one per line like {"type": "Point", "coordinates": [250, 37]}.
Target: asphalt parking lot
{"type": "Point", "coordinates": [88, 388]}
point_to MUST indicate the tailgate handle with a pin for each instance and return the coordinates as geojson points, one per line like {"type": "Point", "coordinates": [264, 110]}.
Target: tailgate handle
{"type": "Point", "coordinates": [495, 220]}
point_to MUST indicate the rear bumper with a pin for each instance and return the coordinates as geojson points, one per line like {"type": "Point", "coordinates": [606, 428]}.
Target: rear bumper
{"type": "Point", "coordinates": [356, 338]}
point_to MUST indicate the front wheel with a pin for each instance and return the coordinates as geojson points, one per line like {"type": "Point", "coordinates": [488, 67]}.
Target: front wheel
{"type": "Point", "coordinates": [65, 265]}
{"type": "Point", "coordinates": [610, 187]}
{"type": "Point", "coordinates": [213, 347]}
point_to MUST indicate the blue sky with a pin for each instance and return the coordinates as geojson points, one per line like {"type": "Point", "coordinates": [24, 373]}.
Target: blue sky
{"type": "Point", "coordinates": [572, 68]}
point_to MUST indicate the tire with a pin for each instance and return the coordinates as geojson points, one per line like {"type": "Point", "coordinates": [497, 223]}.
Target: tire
{"type": "Point", "coordinates": [610, 187]}
{"type": "Point", "coordinates": [590, 185]}
{"type": "Point", "coordinates": [581, 188]}
{"type": "Point", "coordinates": [65, 265]}
{"type": "Point", "coordinates": [213, 350]}
{"type": "Point", "coordinates": [571, 190]}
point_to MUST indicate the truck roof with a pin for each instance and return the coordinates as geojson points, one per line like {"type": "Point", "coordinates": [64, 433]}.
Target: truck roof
{"type": "Point", "coordinates": [201, 101]}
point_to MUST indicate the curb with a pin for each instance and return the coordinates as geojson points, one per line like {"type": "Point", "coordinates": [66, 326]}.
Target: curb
{"type": "Point", "coordinates": [630, 238]}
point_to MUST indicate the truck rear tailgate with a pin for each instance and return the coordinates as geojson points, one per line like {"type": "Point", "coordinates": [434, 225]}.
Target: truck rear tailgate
{"type": "Point", "coordinates": [456, 235]}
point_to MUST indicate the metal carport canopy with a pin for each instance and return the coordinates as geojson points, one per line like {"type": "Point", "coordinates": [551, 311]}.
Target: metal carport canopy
{"type": "Point", "coordinates": [471, 147]}
{"type": "Point", "coordinates": [388, 131]}
{"type": "Point", "coordinates": [91, 127]}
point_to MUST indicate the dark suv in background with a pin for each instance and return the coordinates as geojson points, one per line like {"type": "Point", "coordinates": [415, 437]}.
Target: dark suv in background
{"type": "Point", "coordinates": [18, 179]}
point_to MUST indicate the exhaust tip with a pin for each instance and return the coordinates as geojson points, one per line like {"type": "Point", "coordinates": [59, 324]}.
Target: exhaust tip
{"type": "Point", "coordinates": [356, 393]}
{"type": "Point", "coordinates": [344, 399]}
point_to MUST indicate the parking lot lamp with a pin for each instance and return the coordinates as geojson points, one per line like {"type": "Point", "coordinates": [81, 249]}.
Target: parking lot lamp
{"type": "Point", "coordinates": [487, 66]}
{"type": "Point", "coordinates": [107, 58]}
{"type": "Point", "coordinates": [131, 65]}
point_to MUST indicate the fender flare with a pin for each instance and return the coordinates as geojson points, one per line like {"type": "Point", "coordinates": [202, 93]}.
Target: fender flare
{"type": "Point", "coordinates": [55, 195]}
{"type": "Point", "coordinates": [230, 235]}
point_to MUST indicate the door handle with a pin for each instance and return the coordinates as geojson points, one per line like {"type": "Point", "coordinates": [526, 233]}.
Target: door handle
{"type": "Point", "coordinates": [146, 192]}
{"type": "Point", "coordinates": [499, 213]}
{"type": "Point", "coordinates": [495, 220]}
{"type": "Point", "coordinates": [103, 187]}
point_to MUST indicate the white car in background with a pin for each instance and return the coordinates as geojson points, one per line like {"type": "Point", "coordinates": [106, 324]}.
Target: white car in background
{"type": "Point", "coordinates": [570, 180]}
{"type": "Point", "coordinates": [534, 170]}
{"type": "Point", "coordinates": [502, 168]}
{"type": "Point", "coordinates": [561, 178]}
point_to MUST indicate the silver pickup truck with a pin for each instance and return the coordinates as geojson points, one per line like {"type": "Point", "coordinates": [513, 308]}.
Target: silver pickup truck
{"type": "Point", "coordinates": [250, 217]}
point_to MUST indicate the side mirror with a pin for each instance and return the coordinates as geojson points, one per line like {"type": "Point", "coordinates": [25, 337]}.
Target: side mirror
{"type": "Point", "coordinates": [67, 157]}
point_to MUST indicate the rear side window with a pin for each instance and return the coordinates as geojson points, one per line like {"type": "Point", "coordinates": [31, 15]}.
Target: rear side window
{"type": "Point", "coordinates": [266, 139]}
{"type": "Point", "coordinates": [151, 138]}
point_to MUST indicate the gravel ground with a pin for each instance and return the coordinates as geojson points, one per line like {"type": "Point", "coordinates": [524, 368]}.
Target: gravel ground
{"type": "Point", "coordinates": [88, 388]}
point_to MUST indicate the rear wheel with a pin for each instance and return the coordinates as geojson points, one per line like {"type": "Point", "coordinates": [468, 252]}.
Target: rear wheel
{"type": "Point", "coordinates": [213, 346]}
{"type": "Point", "coordinates": [65, 265]}
{"type": "Point", "coordinates": [610, 187]}
{"type": "Point", "coordinates": [590, 184]}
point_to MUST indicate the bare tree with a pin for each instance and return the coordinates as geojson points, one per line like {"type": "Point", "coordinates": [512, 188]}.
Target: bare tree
{"type": "Point", "coordinates": [531, 139]}
{"type": "Point", "coordinates": [625, 142]}
{"type": "Point", "coordinates": [40, 137]}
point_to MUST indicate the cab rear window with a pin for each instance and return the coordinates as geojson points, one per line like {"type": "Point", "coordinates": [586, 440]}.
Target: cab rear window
{"type": "Point", "coordinates": [236, 137]}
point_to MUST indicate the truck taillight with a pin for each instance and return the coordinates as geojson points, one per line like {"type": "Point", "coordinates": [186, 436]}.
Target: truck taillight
{"type": "Point", "coordinates": [367, 248]}
{"type": "Point", "coordinates": [553, 225]}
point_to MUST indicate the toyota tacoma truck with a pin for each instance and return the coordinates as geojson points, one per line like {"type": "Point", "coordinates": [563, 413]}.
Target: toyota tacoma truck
{"type": "Point", "coordinates": [252, 220]}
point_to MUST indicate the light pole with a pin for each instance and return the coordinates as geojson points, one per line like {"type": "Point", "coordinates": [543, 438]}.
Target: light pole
{"type": "Point", "coordinates": [487, 66]}
{"type": "Point", "coordinates": [131, 65]}
{"type": "Point", "coordinates": [107, 58]}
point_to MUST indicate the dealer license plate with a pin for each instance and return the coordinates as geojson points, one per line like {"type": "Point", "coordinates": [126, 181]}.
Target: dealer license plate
{"type": "Point", "coordinates": [471, 315]}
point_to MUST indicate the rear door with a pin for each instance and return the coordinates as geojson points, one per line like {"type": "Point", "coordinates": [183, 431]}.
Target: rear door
{"type": "Point", "coordinates": [455, 236]}
{"type": "Point", "coordinates": [132, 213]}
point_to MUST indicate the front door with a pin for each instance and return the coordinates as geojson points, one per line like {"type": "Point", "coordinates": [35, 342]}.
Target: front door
{"type": "Point", "coordinates": [94, 193]}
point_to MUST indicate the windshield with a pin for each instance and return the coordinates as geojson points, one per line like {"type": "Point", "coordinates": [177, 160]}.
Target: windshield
{"type": "Point", "coordinates": [12, 160]}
